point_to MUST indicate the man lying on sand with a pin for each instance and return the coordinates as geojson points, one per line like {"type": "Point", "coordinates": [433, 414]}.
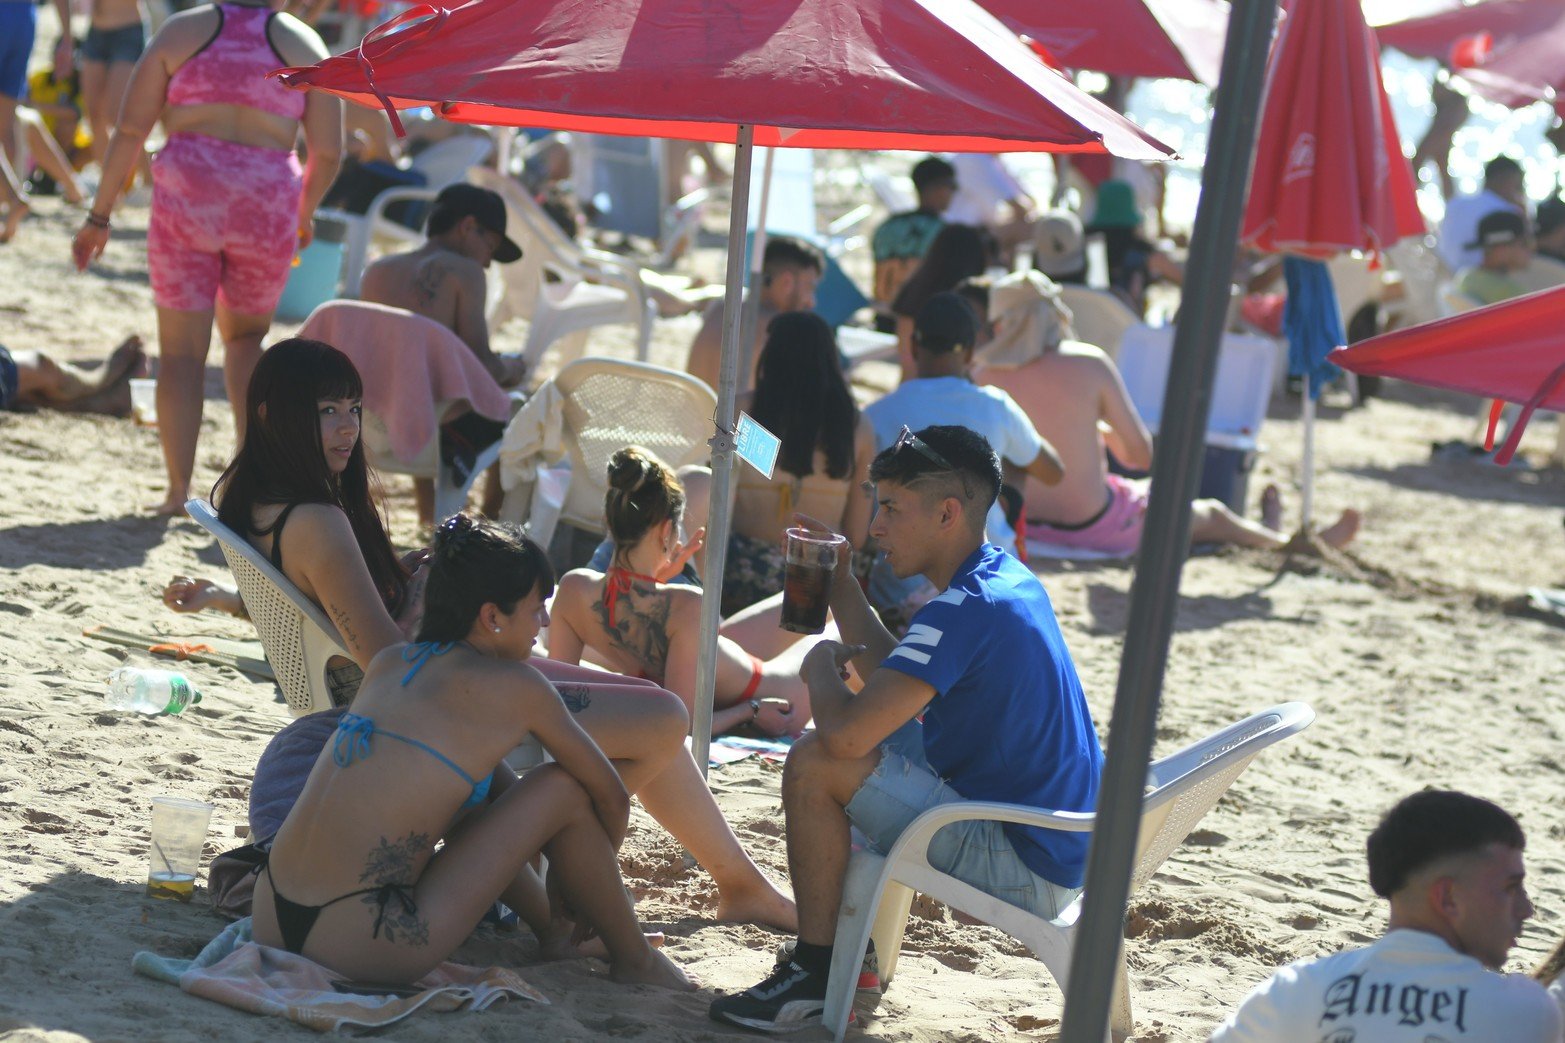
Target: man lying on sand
{"type": "Point", "coordinates": [1004, 718]}
{"type": "Point", "coordinates": [1075, 396]}
{"type": "Point", "coordinates": [33, 379]}
{"type": "Point", "coordinates": [1451, 867]}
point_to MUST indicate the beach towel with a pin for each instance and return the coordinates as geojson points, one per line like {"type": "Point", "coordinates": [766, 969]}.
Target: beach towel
{"type": "Point", "coordinates": [237, 971]}
{"type": "Point", "coordinates": [408, 363]}
{"type": "Point", "coordinates": [284, 768]}
{"type": "Point", "coordinates": [534, 437]}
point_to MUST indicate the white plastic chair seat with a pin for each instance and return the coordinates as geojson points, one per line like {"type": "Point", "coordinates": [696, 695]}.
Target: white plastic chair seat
{"type": "Point", "coordinates": [450, 494]}
{"type": "Point", "coordinates": [298, 638]}
{"type": "Point", "coordinates": [879, 890]}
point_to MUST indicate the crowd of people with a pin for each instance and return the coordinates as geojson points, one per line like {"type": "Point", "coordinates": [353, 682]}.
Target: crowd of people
{"type": "Point", "coordinates": [407, 825]}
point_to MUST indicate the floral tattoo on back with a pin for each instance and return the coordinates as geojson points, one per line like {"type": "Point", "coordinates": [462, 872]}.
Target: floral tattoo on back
{"type": "Point", "coordinates": [389, 870]}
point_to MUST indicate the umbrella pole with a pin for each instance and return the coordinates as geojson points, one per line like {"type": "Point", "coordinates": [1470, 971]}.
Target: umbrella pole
{"type": "Point", "coordinates": [1176, 470]}
{"type": "Point", "coordinates": [1308, 499]}
{"type": "Point", "coordinates": [722, 455]}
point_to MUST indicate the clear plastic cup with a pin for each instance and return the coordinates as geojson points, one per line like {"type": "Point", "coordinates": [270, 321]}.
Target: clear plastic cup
{"type": "Point", "coordinates": [809, 560]}
{"type": "Point", "coordinates": [144, 400]}
{"type": "Point", "coordinates": [179, 828]}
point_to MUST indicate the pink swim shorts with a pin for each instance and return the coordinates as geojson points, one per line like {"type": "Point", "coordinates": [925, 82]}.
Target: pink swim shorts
{"type": "Point", "coordinates": [1116, 531]}
{"type": "Point", "coordinates": [225, 220]}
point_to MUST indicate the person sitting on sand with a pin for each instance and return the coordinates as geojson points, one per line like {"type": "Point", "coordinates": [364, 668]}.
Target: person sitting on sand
{"type": "Point", "coordinates": [299, 491]}
{"type": "Point", "coordinates": [32, 379]}
{"type": "Point", "coordinates": [1073, 392]}
{"type": "Point", "coordinates": [790, 270]}
{"type": "Point", "coordinates": [979, 702]}
{"type": "Point", "coordinates": [802, 396]}
{"type": "Point", "coordinates": [1502, 236]}
{"type": "Point", "coordinates": [1450, 865]}
{"type": "Point", "coordinates": [640, 624]}
{"type": "Point", "coordinates": [353, 880]}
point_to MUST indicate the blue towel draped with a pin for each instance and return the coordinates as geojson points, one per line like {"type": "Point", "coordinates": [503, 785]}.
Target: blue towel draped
{"type": "Point", "coordinates": [1311, 321]}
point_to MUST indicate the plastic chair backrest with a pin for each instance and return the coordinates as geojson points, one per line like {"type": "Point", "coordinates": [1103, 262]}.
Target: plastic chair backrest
{"type": "Point", "coordinates": [296, 634]}
{"type": "Point", "coordinates": [891, 194]}
{"type": "Point", "coordinates": [446, 162]}
{"type": "Point", "coordinates": [1098, 316]}
{"type": "Point", "coordinates": [1239, 396]}
{"type": "Point", "coordinates": [612, 403]}
{"type": "Point", "coordinates": [1189, 783]}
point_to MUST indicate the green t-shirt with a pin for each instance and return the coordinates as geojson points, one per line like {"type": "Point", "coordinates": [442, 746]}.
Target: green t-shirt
{"type": "Point", "coordinates": [1487, 286]}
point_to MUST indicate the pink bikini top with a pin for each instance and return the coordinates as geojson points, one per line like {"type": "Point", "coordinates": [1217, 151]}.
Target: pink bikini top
{"type": "Point", "coordinates": [231, 68]}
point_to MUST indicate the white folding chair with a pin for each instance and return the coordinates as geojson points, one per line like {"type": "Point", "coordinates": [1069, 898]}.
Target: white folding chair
{"type": "Point", "coordinates": [298, 638]}
{"type": "Point", "coordinates": [878, 890]}
{"type": "Point", "coordinates": [1098, 317]}
{"type": "Point", "coordinates": [561, 290]}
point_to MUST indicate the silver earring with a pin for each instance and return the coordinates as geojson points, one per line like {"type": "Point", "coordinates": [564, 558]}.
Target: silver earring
{"type": "Point", "coordinates": [497, 630]}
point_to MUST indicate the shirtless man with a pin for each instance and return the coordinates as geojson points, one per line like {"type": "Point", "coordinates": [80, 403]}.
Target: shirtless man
{"type": "Point", "coordinates": [790, 271]}
{"type": "Point", "coordinates": [1075, 397]}
{"type": "Point", "coordinates": [31, 378]}
{"type": "Point", "coordinates": [444, 279]}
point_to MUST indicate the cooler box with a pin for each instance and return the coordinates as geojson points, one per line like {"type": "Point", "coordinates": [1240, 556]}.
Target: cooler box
{"type": "Point", "coordinates": [312, 281]}
{"type": "Point", "coordinates": [1239, 399]}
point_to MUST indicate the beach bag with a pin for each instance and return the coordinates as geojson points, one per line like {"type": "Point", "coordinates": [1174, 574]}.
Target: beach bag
{"type": "Point", "coordinates": [230, 881]}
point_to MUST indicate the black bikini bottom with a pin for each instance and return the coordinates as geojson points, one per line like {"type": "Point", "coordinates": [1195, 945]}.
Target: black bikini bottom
{"type": "Point", "coordinates": [295, 921]}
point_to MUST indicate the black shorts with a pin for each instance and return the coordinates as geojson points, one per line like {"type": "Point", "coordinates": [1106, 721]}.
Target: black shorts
{"type": "Point", "coordinates": [10, 379]}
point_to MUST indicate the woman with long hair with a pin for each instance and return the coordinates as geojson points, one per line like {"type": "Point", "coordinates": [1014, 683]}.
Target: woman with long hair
{"type": "Point", "coordinates": [958, 252]}
{"type": "Point", "coordinates": [300, 491]}
{"type": "Point", "coordinates": [638, 623]}
{"type": "Point", "coordinates": [353, 880]}
{"type": "Point", "coordinates": [803, 398]}
{"type": "Point", "coordinates": [231, 204]}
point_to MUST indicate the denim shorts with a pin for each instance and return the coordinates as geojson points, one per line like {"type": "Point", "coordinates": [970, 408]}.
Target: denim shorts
{"type": "Point", "coordinates": [18, 26]}
{"type": "Point", "coordinates": [977, 852]}
{"type": "Point", "coordinates": [108, 46]}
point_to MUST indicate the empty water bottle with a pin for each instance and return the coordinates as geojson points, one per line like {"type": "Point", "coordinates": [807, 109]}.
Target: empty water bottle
{"type": "Point", "coordinates": [150, 691]}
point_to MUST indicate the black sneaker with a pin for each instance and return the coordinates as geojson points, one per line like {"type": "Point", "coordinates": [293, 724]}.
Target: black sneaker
{"type": "Point", "coordinates": [790, 1000]}
{"type": "Point", "coordinates": [869, 970]}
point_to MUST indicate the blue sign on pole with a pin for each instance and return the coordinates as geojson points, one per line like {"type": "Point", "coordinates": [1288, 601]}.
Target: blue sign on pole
{"type": "Point", "coordinates": [756, 446]}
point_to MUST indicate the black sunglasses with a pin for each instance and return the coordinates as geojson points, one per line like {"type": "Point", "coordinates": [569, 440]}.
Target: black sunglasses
{"type": "Point", "coordinates": [918, 445]}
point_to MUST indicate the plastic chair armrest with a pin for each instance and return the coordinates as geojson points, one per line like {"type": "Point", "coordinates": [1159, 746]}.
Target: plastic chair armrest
{"type": "Point", "coordinates": [914, 841]}
{"type": "Point", "coordinates": [383, 199]}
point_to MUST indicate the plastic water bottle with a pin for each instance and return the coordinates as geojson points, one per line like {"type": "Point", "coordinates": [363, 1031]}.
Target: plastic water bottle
{"type": "Point", "coordinates": [150, 691]}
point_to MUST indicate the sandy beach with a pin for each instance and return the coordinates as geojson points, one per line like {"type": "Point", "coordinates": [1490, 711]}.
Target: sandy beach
{"type": "Point", "coordinates": [1409, 648]}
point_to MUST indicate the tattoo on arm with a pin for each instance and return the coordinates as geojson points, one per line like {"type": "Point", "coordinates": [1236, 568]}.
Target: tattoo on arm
{"type": "Point", "coordinates": [340, 617]}
{"type": "Point", "coordinates": [390, 865]}
{"type": "Point", "coordinates": [575, 696]}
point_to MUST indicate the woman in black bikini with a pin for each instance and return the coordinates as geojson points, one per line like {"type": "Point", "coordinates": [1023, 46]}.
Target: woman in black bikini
{"type": "Point", "coordinates": [299, 490]}
{"type": "Point", "coordinates": [353, 880]}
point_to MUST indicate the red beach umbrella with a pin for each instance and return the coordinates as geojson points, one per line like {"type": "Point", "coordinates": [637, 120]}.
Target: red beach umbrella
{"type": "Point", "coordinates": [1177, 39]}
{"type": "Point", "coordinates": [899, 74]}
{"type": "Point", "coordinates": [871, 74]}
{"type": "Point", "coordinates": [1329, 171]}
{"type": "Point", "coordinates": [1513, 351]}
{"type": "Point", "coordinates": [1509, 50]}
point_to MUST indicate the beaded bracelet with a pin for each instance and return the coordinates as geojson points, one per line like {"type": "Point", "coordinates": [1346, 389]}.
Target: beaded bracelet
{"type": "Point", "coordinates": [96, 220]}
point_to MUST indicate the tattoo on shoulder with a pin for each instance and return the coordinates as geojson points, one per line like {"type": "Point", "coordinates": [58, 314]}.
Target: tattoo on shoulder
{"type": "Point", "coordinates": [391, 864]}
{"type": "Point", "coordinates": [428, 279]}
{"type": "Point", "coordinates": [575, 696]}
{"type": "Point", "coordinates": [641, 626]}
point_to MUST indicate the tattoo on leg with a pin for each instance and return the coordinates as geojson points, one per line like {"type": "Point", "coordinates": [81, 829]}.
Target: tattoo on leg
{"type": "Point", "coordinates": [390, 868]}
{"type": "Point", "coordinates": [575, 696]}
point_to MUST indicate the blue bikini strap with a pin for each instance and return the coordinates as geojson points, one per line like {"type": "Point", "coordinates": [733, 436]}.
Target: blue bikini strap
{"type": "Point", "coordinates": [420, 653]}
{"type": "Point", "coordinates": [352, 741]}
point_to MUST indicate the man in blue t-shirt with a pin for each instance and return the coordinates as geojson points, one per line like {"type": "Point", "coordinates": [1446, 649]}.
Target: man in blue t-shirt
{"type": "Point", "coordinates": [980, 701]}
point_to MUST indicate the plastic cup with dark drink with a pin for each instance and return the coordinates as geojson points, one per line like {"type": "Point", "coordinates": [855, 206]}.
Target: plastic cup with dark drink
{"type": "Point", "coordinates": [810, 558]}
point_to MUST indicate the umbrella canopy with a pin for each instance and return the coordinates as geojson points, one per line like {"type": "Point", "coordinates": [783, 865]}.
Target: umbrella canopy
{"type": "Point", "coordinates": [1329, 171]}
{"type": "Point", "coordinates": [1512, 351]}
{"type": "Point", "coordinates": [1178, 39]}
{"type": "Point", "coordinates": [875, 74]}
{"type": "Point", "coordinates": [1509, 50]}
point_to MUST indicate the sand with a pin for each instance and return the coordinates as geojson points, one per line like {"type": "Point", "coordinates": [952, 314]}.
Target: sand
{"type": "Point", "coordinates": [1408, 649]}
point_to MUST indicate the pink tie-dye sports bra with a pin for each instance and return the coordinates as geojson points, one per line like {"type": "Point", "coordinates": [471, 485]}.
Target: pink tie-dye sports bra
{"type": "Point", "coordinates": [231, 68]}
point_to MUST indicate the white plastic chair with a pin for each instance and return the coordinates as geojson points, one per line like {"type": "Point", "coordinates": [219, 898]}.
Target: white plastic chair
{"type": "Point", "coordinates": [878, 890]}
{"type": "Point", "coordinates": [550, 287]}
{"type": "Point", "coordinates": [443, 163]}
{"type": "Point", "coordinates": [450, 493]}
{"type": "Point", "coordinates": [1098, 317]}
{"type": "Point", "coordinates": [612, 403]}
{"type": "Point", "coordinates": [887, 189]}
{"type": "Point", "coordinates": [298, 638]}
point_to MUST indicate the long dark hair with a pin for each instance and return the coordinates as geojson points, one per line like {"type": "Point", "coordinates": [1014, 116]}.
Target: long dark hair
{"type": "Point", "coordinates": [802, 397]}
{"type": "Point", "coordinates": [282, 460]}
{"type": "Point", "coordinates": [958, 252]}
{"type": "Point", "coordinates": [476, 562]}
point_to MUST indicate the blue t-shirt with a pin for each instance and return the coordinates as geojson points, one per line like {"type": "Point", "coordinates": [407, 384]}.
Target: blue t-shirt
{"type": "Point", "coordinates": [1009, 721]}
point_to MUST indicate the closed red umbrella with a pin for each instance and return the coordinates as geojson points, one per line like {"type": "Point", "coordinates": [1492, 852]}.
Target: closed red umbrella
{"type": "Point", "coordinates": [1512, 351]}
{"type": "Point", "coordinates": [1329, 171]}
{"type": "Point", "coordinates": [1178, 39]}
{"type": "Point", "coordinates": [1509, 50]}
{"type": "Point", "coordinates": [892, 74]}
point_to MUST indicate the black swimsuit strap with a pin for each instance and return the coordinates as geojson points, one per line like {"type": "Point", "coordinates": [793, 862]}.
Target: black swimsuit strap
{"type": "Point", "coordinates": [277, 536]}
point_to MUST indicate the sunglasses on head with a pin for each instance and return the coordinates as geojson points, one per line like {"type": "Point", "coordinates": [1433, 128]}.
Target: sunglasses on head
{"type": "Point", "coordinates": [918, 445]}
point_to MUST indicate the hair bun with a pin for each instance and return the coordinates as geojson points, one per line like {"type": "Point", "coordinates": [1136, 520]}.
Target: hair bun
{"type": "Point", "coordinates": [631, 468]}
{"type": "Point", "coordinates": [449, 534]}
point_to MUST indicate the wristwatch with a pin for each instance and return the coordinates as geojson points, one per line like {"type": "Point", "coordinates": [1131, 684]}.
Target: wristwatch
{"type": "Point", "coordinates": [755, 708]}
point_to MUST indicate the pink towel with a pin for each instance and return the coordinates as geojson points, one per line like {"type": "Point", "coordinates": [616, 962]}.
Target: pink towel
{"type": "Point", "coordinates": [408, 364]}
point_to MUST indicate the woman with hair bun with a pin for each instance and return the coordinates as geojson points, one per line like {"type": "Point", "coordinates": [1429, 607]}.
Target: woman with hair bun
{"type": "Point", "coordinates": [641, 625]}
{"type": "Point", "coordinates": [353, 880]}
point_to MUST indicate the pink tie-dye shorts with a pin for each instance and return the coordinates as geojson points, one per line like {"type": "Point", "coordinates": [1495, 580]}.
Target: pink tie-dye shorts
{"type": "Point", "coordinates": [225, 220]}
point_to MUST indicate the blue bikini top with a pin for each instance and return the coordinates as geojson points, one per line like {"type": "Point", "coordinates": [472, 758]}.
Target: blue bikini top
{"type": "Point", "coordinates": [352, 741]}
